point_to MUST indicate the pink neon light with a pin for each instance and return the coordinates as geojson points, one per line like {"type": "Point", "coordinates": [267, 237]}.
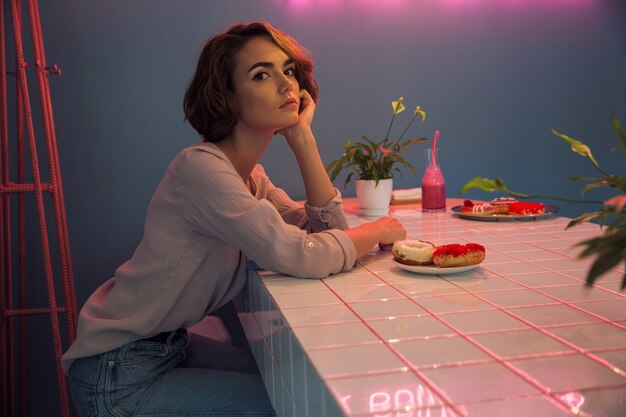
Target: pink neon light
{"type": "Point", "coordinates": [334, 4]}
{"type": "Point", "coordinates": [573, 399]}
{"type": "Point", "coordinates": [520, 3]}
{"type": "Point", "coordinates": [386, 4]}
{"type": "Point", "coordinates": [404, 402]}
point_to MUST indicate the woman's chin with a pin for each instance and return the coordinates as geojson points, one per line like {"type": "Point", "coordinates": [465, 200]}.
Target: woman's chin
{"type": "Point", "coordinates": [289, 123]}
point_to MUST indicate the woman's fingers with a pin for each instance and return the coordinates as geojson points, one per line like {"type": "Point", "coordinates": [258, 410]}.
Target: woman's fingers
{"type": "Point", "coordinates": [395, 230]}
{"type": "Point", "coordinates": [307, 107]}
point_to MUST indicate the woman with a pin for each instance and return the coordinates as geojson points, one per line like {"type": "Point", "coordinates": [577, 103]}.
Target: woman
{"type": "Point", "coordinates": [214, 208]}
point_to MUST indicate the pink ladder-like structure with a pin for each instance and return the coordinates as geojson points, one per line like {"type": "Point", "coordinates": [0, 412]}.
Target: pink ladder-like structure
{"type": "Point", "coordinates": [24, 199]}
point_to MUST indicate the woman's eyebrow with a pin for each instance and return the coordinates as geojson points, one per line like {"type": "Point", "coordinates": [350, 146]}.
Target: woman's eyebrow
{"type": "Point", "coordinates": [269, 64]}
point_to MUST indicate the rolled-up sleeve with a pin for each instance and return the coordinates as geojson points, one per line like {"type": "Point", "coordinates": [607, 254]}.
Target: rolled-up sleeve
{"type": "Point", "coordinates": [215, 202]}
{"type": "Point", "coordinates": [306, 217]}
{"type": "Point", "coordinates": [330, 216]}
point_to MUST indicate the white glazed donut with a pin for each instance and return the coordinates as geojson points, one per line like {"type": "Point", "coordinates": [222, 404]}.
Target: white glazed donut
{"type": "Point", "coordinates": [413, 252]}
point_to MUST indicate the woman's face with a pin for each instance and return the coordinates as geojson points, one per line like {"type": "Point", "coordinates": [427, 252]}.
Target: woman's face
{"type": "Point", "coordinates": [266, 89]}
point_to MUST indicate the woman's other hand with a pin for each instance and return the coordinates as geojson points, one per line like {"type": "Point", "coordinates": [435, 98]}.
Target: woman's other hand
{"type": "Point", "coordinates": [383, 231]}
{"type": "Point", "coordinates": [393, 230]}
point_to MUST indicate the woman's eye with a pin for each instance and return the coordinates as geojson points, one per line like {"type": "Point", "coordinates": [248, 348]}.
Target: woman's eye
{"type": "Point", "coordinates": [290, 72]}
{"type": "Point", "coordinates": [261, 76]}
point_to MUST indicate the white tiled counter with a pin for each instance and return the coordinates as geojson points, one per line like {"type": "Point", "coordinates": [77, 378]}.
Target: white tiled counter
{"type": "Point", "coordinates": [517, 336]}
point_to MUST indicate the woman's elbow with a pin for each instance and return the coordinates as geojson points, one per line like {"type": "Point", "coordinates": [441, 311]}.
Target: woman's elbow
{"type": "Point", "coordinates": [308, 267]}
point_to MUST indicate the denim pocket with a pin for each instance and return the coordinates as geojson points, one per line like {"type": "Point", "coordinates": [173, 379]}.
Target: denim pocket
{"type": "Point", "coordinates": [85, 371]}
{"type": "Point", "coordinates": [140, 363]}
{"type": "Point", "coordinates": [144, 350]}
{"type": "Point", "coordinates": [83, 377]}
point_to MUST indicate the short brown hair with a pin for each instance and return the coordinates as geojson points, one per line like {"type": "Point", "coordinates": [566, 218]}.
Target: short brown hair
{"type": "Point", "coordinates": [209, 100]}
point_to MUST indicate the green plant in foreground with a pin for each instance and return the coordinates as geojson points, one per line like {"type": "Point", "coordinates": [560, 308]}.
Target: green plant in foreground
{"type": "Point", "coordinates": [376, 160]}
{"type": "Point", "coordinates": [609, 248]}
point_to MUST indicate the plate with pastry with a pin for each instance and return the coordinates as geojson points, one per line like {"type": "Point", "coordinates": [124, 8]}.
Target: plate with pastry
{"type": "Point", "coordinates": [434, 270]}
{"type": "Point", "coordinates": [423, 257]}
{"type": "Point", "coordinates": [504, 209]}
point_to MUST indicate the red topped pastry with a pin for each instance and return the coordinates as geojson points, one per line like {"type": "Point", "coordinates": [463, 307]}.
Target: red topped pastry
{"type": "Point", "coordinates": [501, 204]}
{"type": "Point", "coordinates": [527, 207]}
{"type": "Point", "coordinates": [458, 255]}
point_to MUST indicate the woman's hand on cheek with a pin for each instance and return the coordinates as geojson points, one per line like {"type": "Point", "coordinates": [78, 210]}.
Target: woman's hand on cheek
{"type": "Point", "coordinates": [307, 108]}
{"type": "Point", "coordinates": [305, 117]}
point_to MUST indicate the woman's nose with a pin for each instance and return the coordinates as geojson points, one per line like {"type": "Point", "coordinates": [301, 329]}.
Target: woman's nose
{"type": "Point", "coordinates": [286, 85]}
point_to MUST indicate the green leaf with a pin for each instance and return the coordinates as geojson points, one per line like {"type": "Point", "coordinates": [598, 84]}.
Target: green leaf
{"type": "Point", "coordinates": [583, 218]}
{"type": "Point", "coordinates": [608, 181]}
{"type": "Point", "coordinates": [348, 178]}
{"type": "Point", "coordinates": [484, 184]}
{"type": "Point", "coordinates": [601, 266]}
{"type": "Point", "coordinates": [591, 186]}
{"type": "Point", "coordinates": [403, 161]}
{"type": "Point", "coordinates": [578, 147]}
{"type": "Point", "coordinates": [335, 170]}
{"type": "Point", "coordinates": [613, 239]}
{"type": "Point", "coordinates": [364, 149]}
{"type": "Point", "coordinates": [410, 142]}
{"type": "Point", "coordinates": [575, 178]}
{"type": "Point", "coordinates": [609, 249]}
{"type": "Point", "coordinates": [332, 165]}
{"type": "Point", "coordinates": [616, 181]}
{"type": "Point", "coordinates": [373, 144]}
{"type": "Point", "coordinates": [411, 168]}
{"type": "Point", "coordinates": [620, 132]}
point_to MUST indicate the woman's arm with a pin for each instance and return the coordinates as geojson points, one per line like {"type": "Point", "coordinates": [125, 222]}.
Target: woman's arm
{"type": "Point", "coordinates": [215, 202]}
{"type": "Point", "coordinates": [303, 215]}
{"type": "Point", "coordinates": [319, 189]}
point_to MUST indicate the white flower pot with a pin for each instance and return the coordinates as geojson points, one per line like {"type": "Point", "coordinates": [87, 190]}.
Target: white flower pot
{"type": "Point", "coordinates": [374, 199]}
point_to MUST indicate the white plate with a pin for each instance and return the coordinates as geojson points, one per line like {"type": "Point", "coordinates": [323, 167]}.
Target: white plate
{"type": "Point", "coordinates": [434, 270]}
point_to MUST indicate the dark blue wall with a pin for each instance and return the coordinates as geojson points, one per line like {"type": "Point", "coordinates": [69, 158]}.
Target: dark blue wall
{"type": "Point", "coordinates": [493, 75]}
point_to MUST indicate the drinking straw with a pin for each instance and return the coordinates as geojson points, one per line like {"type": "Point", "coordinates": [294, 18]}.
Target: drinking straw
{"type": "Point", "coordinates": [435, 147]}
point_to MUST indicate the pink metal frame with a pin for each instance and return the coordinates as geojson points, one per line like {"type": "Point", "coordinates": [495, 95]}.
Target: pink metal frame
{"type": "Point", "coordinates": [13, 302]}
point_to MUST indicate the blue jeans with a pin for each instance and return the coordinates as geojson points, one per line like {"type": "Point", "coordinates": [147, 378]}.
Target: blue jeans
{"type": "Point", "coordinates": [179, 375]}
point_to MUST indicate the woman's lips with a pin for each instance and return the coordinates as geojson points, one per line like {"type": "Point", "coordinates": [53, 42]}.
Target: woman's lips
{"type": "Point", "coordinates": [290, 103]}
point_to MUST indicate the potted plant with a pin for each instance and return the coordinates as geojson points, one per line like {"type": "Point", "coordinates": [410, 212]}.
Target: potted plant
{"type": "Point", "coordinates": [608, 249]}
{"type": "Point", "coordinates": [374, 162]}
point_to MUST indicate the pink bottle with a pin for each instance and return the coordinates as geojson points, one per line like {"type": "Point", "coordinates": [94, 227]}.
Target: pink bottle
{"type": "Point", "coordinates": [433, 184]}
